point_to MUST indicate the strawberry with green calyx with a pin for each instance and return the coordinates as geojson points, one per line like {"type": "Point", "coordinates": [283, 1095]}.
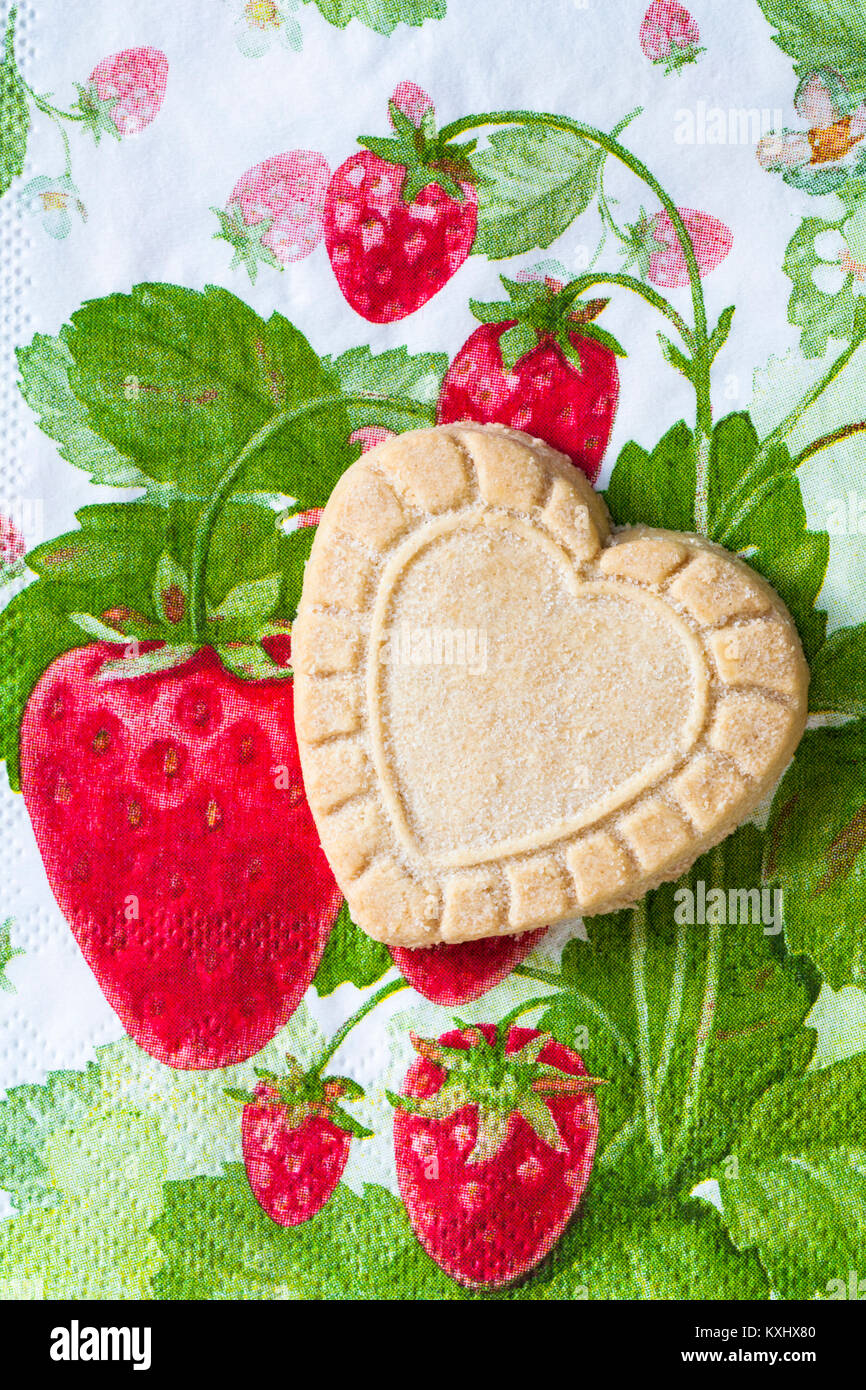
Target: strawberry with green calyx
{"type": "Point", "coordinates": [494, 1139]}
{"type": "Point", "coordinates": [123, 92]}
{"type": "Point", "coordinates": [160, 769]}
{"type": "Point", "coordinates": [669, 36]}
{"type": "Point", "coordinates": [539, 363]}
{"type": "Point", "coordinates": [400, 218]}
{"type": "Point", "coordinates": [296, 1139]}
{"type": "Point", "coordinates": [296, 1136]}
{"type": "Point", "coordinates": [275, 211]}
{"type": "Point", "coordinates": [652, 244]}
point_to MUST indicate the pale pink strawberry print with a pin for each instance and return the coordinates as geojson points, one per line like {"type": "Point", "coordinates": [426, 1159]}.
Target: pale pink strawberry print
{"type": "Point", "coordinates": [413, 101]}
{"type": "Point", "coordinates": [124, 92]}
{"type": "Point", "coordinates": [13, 548]}
{"type": "Point", "coordinates": [368, 436]}
{"type": "Point", "coordinates": [669, 35]}
{"type": "Point", "coordinates": [658, 249]}
{"type": "Point", "coordinates": [275, 213]}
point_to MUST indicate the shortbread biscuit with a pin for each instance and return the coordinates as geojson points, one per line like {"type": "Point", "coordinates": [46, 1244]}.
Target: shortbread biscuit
{"type": "Point", "coordinates": [509, 714]}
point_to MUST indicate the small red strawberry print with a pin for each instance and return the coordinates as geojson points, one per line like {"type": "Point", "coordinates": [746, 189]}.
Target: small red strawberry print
{"type": "Point", "coordinates": [540, 364]}
{"type": "Point", "coordinates": [124, 92]}
{"type": "Point", "coordinates": [457, 974]}
{"type": "Point", "coordinates": [166, 799]}
{"type": "Point", "coordinates": [669, 35]}
{"type": "Point", "coordinates": [494, 1138]}
{"type": "Point", "coordinates": [400, 219]}
{"type": "Point", "coordinates": [296, 1140]}
{"type": "Point", "coordinates": [654, 245]}
{"type": "Point", "coordinates": [276, 210]}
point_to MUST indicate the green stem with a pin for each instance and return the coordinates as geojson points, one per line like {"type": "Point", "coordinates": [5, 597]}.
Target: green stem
{"type": "Point", "coordinates": [393, 987]}
{"type": "Point", "coordinates": [211, 512]}
{"type": "Point", "coordinates": [629, 282]}
{"type": "Point", "coordinates": [638, 967]}
{"type": "Point", "coordinates": [705, 1023]}
{"type": "Point", "coordinates": [47, 108]}
{"type": "Point", "coordinates": [675, 1008]}
{"type": "Point", "coordinates": [826, 441]}
{"type": "Point", "coordinates": [792, 419]}
{"type": "Point", "coordinates": [520, 1009]}
{"type": "Point", "coordinates": [701, 353]}
{"type": "Point", "coordinates": [725, 529]}
{"type": "Point", "coordinates": [557, 982]}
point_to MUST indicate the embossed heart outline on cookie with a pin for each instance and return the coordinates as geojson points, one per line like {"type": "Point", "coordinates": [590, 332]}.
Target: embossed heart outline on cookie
{"type": "Point", "coordinates": [508, 714]}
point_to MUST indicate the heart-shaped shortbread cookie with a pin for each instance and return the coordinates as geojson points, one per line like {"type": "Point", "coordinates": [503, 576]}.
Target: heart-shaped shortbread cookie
{"type": "Point", "coordinates": [508, 715]}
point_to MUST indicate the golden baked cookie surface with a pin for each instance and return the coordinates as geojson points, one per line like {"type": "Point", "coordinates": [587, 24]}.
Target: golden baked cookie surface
{"type": "Point", "coordinates": [508, 715]}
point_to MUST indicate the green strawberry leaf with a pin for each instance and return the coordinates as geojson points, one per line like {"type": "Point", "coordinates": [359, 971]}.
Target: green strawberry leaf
{"type": "Point", "coordinates": [839, 673]}
{"type": "Point", "coordinates": [690, 1020]}
{"type": "Point", "coordinates": [8, 952]}
{"type": "Point", "coordinates": [108, 1170]}
{"type": "Point", "coordinates": [382, 16]}
{"type": "Point", "coordinates": [44, 365]}
{"type": "Point", "coordinates": [816, 850]}
{"type": "Point", "coordinates": [14, 111]}
{"type": "Point", "coordinates": [821, 33]}
{"type": "Point", "coordinates": [658, 488]}
{"type": "Point", "coordinates": [819, 315]}
{"type": "Point", "coordinates": [29, 1115]}
{"type": "Point", "coordinates": [217, 1243]}
{"type": "Point", "coordinates": [532, 183]}
{"type": "Point", "coordinates": [382, 376]}
{"type": "Point", "coordinates": [350, 956]}
{"type": "Point", "coordinates": [754, 508]}
{"type": "Point", "coordinates": [795, 1188]}
{"type": "Point", "coordinates": [179, 381]}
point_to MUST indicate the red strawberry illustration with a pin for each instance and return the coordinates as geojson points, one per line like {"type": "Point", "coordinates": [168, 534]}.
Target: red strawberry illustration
{"type": "Point", "coordinates": [494, 1137]}
{"type": "Point", "coordinates": [669, 35]}
{"type": "Point", "coordinates": [124, 92]}
{"type": "Point", "coordinates": [296, 1140]}
{"type": "Point", "coordinates": [400, 219]}
{"type": "Point", "coordinates": [276, 211]}
{"type": "Point", "coordinates": [170, 814]}
{"type": "Point", "coordinates": [452, 975]}
{"type": "Point", "coordinates": [539, 364]}
{"type": "Point", "coordinates": [654, 245]}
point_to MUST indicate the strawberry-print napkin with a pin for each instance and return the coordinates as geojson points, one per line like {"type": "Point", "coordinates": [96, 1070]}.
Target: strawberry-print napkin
{"type": "Point", "coordinates": [242, 243]}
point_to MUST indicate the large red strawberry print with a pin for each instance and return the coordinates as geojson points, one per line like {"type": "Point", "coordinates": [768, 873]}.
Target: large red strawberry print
{"type": "Point", "coordinates": [169, 811]}
{"type": "Point", "coordinates": [457, 974]}
{"type": "Point", "coordinates": [400, 218]}
{"type": "Point", "coordinates": [296, 1140]}
{"type": "Point", "coordinates": [654, 245]}
{"type": "Point", "coordinates": [494, 1138]}
{"type": "Point", "coordinates": [275, 213]}
{"type": "Point", "coordinates": [539, 364]}
{"type": "Point", "coordinates": [669, 36]}
{"type": "Point", "coordinates": [124, 92]}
